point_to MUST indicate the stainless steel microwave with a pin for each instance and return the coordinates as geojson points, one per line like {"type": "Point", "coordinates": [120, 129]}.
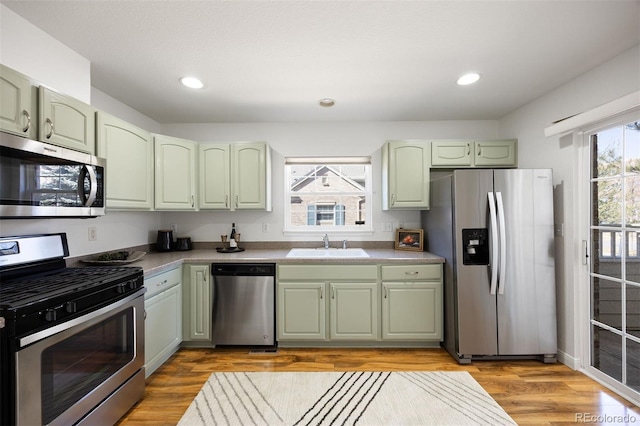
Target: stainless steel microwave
{"type": "Point", "coordinates": [42, 180]}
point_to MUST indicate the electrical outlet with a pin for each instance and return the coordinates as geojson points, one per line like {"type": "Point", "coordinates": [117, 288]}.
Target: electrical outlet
{"type": "Point", "coordinates": [265, 227]}
{"type": "Point", "coordinates": [93, 233]}
{"type": "Point", "coordinates": [174, 229]}
{"type": "Point", "coordinates": [387, 227]}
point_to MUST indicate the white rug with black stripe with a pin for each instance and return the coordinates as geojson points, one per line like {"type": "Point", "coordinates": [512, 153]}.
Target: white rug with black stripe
{"type": "Point", "coordinates": [363, 398]}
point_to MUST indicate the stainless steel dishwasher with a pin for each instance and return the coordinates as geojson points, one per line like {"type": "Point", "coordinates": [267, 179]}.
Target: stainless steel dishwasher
{"type": "Point", "coordinates": [244, 304]}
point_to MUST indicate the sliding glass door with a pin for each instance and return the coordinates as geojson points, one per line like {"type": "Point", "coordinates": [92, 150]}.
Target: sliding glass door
{"type": "Point", "coordinates": [614, 264]}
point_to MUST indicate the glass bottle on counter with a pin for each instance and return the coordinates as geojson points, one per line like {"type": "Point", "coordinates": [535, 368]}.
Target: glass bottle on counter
{"type": "Point", "coordinates": [232, 236]}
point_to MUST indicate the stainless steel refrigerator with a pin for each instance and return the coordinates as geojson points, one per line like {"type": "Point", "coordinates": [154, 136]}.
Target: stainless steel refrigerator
{"type": "Point", "coordinates": [495, 230]}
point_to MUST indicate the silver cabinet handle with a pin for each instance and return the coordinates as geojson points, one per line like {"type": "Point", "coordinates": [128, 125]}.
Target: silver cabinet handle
{"type": "Point", "coordinates": [320, 292]}
{"type": "Point", "coordinates": [236, 201]}
{"type": "Point", "coordinates": [333, 292]}
{"type": "Point", "coordinates": [226, 201]}
{"type": "Point", "coordinates": [386, 291]}
{"type": "Point", "coordinates": [468, 148]}
{"type": "Point", "coordinates": [28, 125]}
{"type": "Point", "coordinates": [50, 123]}
{"type": "Point", "coordinates": [393, 199]}
{"type": "Point", "coordinates": [412, 273]}
{"type": "Point", "coordinates": [193, 200]}
{"type": "Point", "coordinates": [161, 284]}
{"type": "Point", "coordinates": [479, 149]}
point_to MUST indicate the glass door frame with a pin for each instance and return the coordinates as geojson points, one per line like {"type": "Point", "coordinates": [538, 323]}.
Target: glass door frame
{"type": "Point", "coordinates": [582, 140]}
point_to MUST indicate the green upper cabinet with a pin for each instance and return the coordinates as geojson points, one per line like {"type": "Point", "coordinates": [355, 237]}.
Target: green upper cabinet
{"type": "Point", "coordinates": [405, 175]}
{"type": "Point", "coordinates": [175, 173]}
{"type": "Point", "coordinates": [452, 153]}
{"type": "Point", "coordinates": [66, 121]}
{"type": "Point", "coordinates": [500, 153]}
{"type": "Point", "coordinates": [470, 153]}
{"type": "Point", "coordinates": [214, 176]}
{"type": "Point", "coordinates": [235, 176]}
{"type": "Point", "coordinates": [251, 176]}
{"type": "Point", "coordinates": [129, 153]}
{"type": "Point", "coordinates": [17, 106]}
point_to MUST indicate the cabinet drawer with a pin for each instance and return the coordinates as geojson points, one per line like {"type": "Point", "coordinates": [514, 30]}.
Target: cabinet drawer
{"type": "Point", "coordinates": [411, 272]}
{"type": "Point", "coordinates": [328, 272]}
{"type": "Point", "coordinates": [161, 282]}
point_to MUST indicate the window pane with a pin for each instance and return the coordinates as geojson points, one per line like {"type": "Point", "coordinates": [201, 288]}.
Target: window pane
{"type": "Point", "coordinates": [632, 201]}
{"type": "Point", "coordinates": [633, 311]}
{"type": "Point", "coordinates": [608, 153]}
{"type": "Point", "coordinates": [632, 147]}
{"type": "Point", "coordinates": [607, 196]}
{"type": "Point", "coordinates": [332, 195]}
{"type": "Point", "coordinates": [606, 302]}
{"type": "Point", "coordinates": [607, 352]}
{"type": "Point", "coordinates": [633, 364]}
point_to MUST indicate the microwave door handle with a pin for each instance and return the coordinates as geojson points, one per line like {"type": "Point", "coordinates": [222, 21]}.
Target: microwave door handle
{"type": "Point", "coordinates": [494, 260]}
{"type": "Point", "coordinates": [93, 185]}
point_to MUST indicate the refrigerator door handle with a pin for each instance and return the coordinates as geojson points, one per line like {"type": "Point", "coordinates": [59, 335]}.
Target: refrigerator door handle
{"type": "Point", "coordinates": [493, 262]}
{"type": "Point", "coordinates": [503, 244]}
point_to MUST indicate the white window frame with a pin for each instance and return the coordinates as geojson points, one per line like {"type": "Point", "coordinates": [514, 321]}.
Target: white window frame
{"type": "Point", "coordinates": [344, 230]}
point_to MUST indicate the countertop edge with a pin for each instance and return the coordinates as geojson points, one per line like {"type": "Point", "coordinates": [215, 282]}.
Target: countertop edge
{"type": "Point", "coordinates": [157, 262]}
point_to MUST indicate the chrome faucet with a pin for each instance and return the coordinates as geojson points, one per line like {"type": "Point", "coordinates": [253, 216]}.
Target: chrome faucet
{"type": "Point", "coordinates": [326, 241]}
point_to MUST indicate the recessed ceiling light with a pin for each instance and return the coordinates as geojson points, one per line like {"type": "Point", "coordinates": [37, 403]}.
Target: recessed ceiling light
{"type": "Point", "coordinates": [468, 79]}
{"type": "Point", "coordinates": [327, 102]}
{"type": "Point", "coordinates": [191, 82]}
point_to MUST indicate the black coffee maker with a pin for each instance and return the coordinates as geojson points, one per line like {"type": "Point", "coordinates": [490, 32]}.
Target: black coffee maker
{"type": "Point", "coordinates": [165, 240]}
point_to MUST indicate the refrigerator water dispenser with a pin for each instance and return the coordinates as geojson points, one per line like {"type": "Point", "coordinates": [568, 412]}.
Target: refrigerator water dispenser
{"type": "Point", "coordinates": [475, 244]}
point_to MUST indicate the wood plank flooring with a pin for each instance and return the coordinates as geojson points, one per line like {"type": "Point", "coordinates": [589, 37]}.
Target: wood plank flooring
{"type": "Point", "coordinates": [531, 392]}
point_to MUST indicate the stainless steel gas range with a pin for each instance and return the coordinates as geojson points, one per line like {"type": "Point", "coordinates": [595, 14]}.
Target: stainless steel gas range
{"type": "Point", "coordinates": [71, 339]}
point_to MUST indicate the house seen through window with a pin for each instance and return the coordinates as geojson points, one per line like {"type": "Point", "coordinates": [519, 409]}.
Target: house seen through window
{"type": "Point", "coordinates": [328, 194]}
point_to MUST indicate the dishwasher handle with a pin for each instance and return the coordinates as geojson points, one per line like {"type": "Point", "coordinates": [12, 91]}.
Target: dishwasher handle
{"type": "Point", "coordinates": [243, 269]}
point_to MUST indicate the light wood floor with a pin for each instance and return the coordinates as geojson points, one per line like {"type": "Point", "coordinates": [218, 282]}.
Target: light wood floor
{"type": "Point", "coordinates": [531, 392]}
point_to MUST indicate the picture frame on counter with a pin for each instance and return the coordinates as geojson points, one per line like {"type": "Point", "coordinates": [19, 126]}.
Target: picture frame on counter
{"type": "Point", "coordinates": [409, 239]}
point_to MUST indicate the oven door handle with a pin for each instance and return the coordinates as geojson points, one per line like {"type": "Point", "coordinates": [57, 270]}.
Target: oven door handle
{"type": "Point", "coordinates": [32, 338]}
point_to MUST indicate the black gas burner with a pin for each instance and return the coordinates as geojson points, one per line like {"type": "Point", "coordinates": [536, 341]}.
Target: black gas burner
{"type": "Point", "coordinates": [26, 290]}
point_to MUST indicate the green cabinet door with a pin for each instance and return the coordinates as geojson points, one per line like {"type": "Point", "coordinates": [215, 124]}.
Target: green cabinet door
{"type": "Point", "coordinates": [250, 176]}
{"type": "Point", "coordinates": [214, 177]}
{"type": "Point", "coordinates": [66, 121]}
{"type": "Point", "coordinates": [452, 153]}
{"type": "Point", "coordinates": [129, 153]}
{"type": "Point", "coordinates": [301, 311]}
{"type": "Point", "coordinates": [197, 303]}
{"type": "Point", "coordinates": [175, 173]}
{"type": "Point", "coordinates": [412, 311]}
{"type": "Point", "coordinates": [17, 108]}
{"type": "Point", "coordinates": [353, 311]}
{"type": "Point", "coordinates": [500, 153]}
{"type": "Point", "coordinates": [405, 177]}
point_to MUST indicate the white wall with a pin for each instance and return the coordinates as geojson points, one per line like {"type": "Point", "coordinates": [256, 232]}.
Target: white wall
{"type": "Point", "coordinates": [29, 50]}
{"type": "Point", "coordinates": [603, 84]}
{"type": "Point", "coordinates": [312, 139]}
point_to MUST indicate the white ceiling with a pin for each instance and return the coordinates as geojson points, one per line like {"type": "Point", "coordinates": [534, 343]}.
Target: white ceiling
{"type": "Point", "coordinates": [381, 60]}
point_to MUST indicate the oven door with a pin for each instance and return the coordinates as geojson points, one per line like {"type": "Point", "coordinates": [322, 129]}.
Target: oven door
{"type": "Point", "coordinates": [66, 371]}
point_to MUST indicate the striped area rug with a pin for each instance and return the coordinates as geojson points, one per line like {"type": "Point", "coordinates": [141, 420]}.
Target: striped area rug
{"type": "Point", "coordinates": [363, 398]}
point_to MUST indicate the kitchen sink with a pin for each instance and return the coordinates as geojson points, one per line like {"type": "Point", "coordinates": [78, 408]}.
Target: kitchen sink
{"type": "Point", "coordinates": [313, 253]}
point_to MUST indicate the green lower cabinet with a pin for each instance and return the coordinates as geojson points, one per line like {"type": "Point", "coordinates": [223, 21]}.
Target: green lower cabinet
{"type": "Point", "coordinates": [353, 311]}
{"type": "Point", "coordinates": [301, 311]}
{"type": "Point", "coordinates": [412, 311]}
{"type": "Point", "coordinates": [197, 301]}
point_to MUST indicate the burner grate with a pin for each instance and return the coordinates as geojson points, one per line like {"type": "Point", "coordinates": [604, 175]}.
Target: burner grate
{"type": "Point", "coordinates": [32, 288]}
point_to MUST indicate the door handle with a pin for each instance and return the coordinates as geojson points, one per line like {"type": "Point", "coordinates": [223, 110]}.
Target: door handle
{"type": "Point", "coordinates": [503, 244]}
{"type": "Point", "coordinates": [493, 262]}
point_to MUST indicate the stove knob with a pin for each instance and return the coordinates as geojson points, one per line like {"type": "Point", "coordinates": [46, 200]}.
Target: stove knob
{"type": "Point", "coordinates": [121, 288]}
{"type": "Point", "coordinates": [133, 284]}
{"type": "Point", "coordinates": [72, 308]}
{"type": "Point", "coordinates": [50, 314]}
